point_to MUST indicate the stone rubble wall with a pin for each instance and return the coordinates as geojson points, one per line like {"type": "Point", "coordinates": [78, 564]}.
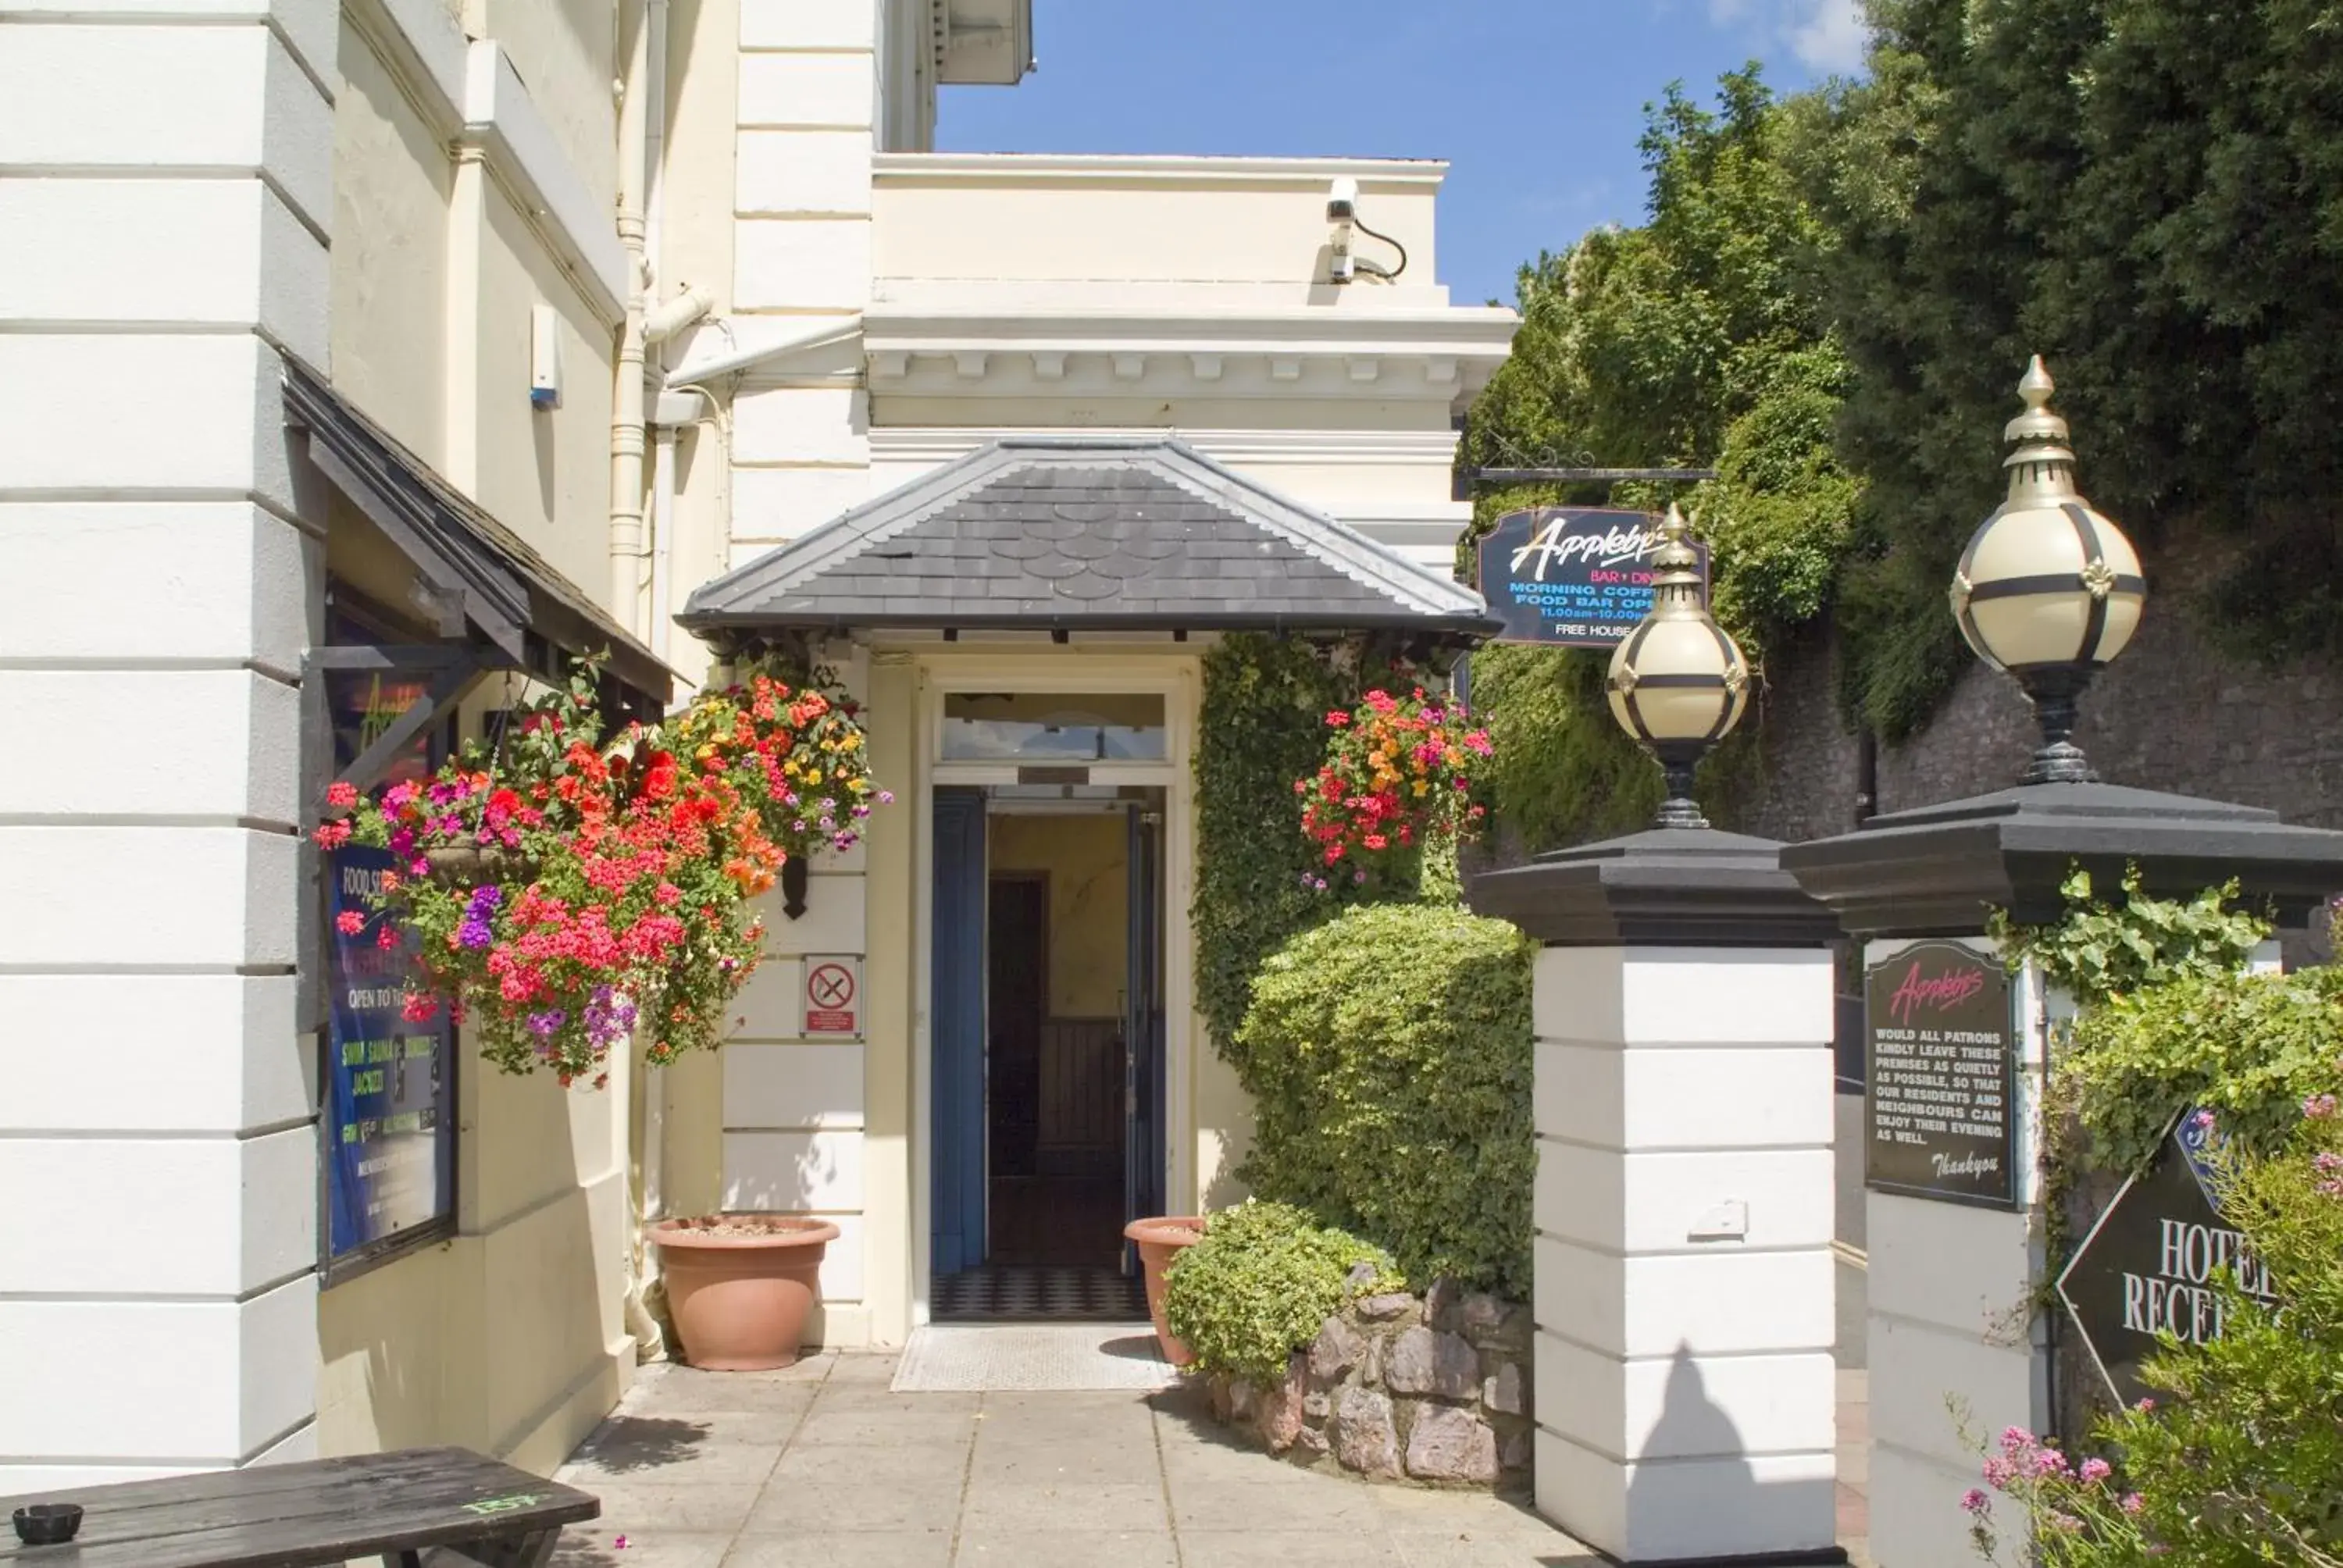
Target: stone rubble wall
{"type": "Point", "coordinates": [1430, 1389]}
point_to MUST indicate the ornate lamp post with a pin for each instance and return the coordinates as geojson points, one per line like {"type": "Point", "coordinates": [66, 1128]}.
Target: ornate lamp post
{"type": "Point", "coordinates": [1678, 681]}
{"type": "Point", "coordinates": [2048, 589]}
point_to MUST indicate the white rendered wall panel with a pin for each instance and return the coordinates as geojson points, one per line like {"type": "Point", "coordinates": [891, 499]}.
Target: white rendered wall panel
{"type": "Point", "coordinates": [214, 581]}
{"type": "Point", "coordinates": [80, 1052]}
{"type": "Point", "coordinates": [809, 24]}
{"type": "Point", "coordinates": [828, 90]}
{"type": "Point", "coordinates": [173, 252]}
{"type": "Point", "coordinates": [1659, 1202]}
{"type": "Point", "coordinates": [784, 1172]}
{"type": "Point", "coordinates": [773, 505]}
{"type": "Point", "coordinates": [805, 263]}
{"type": "Point", "coordinates": [214, 743]}
{"type": "Point", "coordinates": [803, 172]}
{"type": "Point", "coordinates": [793, 1086]}
{"type": "Point", "coordinates": [231, 894]}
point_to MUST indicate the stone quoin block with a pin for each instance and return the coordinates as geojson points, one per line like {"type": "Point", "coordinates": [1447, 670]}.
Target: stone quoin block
{"type": "Point", "coordinates": [803, 172]}
{"type": "Point", "coordinates": [801, 424]}
{"type": "Point", "coordinates": [81, 1053]}
{"type": "Point", "coordinates": [792, 1170]}
{"type": "Point", "coordinates": [802, 264]}
{"type": "Point", "coordinates": [830, 90]}
{"type": "Point", "coordinates": [227, 98]}
{"type": "Point", "coordinates": [217, 581]}
{"type": "Point", "coordinates": [220, 743]}
{"type": "Point", "coordinates": [233, 893]}
{"type": "Point", "coordinates": [177, 1216]}
{"type": "Point", "coordinates": [793, 1086]}
{"type": "Point", "coordinates": [170, 252]}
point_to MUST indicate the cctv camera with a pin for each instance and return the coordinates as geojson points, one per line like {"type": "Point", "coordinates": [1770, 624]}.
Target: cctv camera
{"type": "Point", "coordinates": [1342, 201]}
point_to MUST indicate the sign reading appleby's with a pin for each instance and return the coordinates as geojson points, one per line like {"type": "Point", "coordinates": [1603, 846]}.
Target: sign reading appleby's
{"type": "Point", "coordinates": [1941, 1075]}
{"type": "Point", "coordinates": [1575, 577]}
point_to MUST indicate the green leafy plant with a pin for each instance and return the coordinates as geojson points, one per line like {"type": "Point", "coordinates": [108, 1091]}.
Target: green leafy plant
{"type": "Point", "coordinates": [2248, 1047]}
{"type": "Point", "coordinates": [1262, 1282]}
{"type": "Point", "coordinates": [1388, 1053]}
{"type": "Point", "coordinates": [1262, 725]}
{"type": "Point", "coordinates": [2102, 947]}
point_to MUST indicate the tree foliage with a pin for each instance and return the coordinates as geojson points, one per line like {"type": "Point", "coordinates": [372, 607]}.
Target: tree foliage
{"type": "Point", "coordinates": [1834, 292]}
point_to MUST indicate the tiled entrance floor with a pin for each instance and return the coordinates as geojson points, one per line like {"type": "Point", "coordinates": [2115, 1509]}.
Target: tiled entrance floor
{"type": "Point", "coordinates": [822, 1466]}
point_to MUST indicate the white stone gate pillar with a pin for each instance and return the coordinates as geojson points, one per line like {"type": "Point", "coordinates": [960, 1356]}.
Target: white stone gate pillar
{"type": "Point", "coordinates": [1683, 1297]}
{"type": "Point", "coordinates": [1952, 1275]}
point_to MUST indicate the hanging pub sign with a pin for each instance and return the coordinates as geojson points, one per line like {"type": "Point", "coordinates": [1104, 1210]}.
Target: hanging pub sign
{"type": "Point", "coordinates": [1940, 1059]}
{"type": "Point", "coordinates": [1572, 576]}
{"type": "Point", "coordinates": [389, 1125]}
{"type": "Point", "coordinates": [2152, 1264]}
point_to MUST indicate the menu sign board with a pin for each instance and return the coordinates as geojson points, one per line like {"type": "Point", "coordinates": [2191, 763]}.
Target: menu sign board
{"type": "Point", "coordinates": [1941, 1065]}
{"type": "Point", "coordinates": [390, 1123]}
{"type": "Point", "coordinates": [389, 1082]}
{"type": "Point", "coordinates": [1570, 576]}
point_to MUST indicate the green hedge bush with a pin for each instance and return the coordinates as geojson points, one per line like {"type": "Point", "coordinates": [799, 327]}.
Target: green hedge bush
{"type": "Point", "coordinates": [1260, 1285]}
{"type": "Point", "coordinates": [1388, 1055]}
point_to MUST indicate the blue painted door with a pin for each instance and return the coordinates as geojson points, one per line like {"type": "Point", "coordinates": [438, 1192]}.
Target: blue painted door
{"type": "Point", "coordinates": [956, 1028]}
{"type": "Point", "coordinates": [1143, 1024]}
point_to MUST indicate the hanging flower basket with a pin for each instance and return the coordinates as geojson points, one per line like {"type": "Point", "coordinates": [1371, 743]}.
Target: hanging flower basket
{"type": "Point", "coordinates": [571, 890]}
{"type": "Point", "coordinates": [1397, 779]}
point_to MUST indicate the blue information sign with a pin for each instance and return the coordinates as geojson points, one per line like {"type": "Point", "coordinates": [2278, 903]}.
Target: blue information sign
{"type": "Point", "coordinates": [1572, 576]}
{"type": "Point", "coordinates": [390, 1113]}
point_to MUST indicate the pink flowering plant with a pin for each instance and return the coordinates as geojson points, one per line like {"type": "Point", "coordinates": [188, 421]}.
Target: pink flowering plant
{"type": "Point", "coordinates": [1397, 780]}
{"type": "Point", "coordinates": [572, 888]}
{"type": "Point", "coordinates": [2238, 1460]}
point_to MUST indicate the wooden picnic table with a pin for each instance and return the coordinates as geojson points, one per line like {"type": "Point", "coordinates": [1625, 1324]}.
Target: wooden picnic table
{"type": "Point", "coordinates": [394, 1506]}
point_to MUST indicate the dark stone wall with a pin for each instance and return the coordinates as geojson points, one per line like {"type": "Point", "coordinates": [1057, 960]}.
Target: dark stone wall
{"type": "Point", "coordinates": [2172, 713]}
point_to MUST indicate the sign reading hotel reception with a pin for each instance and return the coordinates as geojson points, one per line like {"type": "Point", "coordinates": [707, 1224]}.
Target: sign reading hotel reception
{"type": "Point", "coordinates": [2153, 1264]}
{"type": "Point", "coordinates": [1572, 576]}
{"type": "Point", "coordinates": [390, 1116]}
{"type": "Point", "coordinates": [1942, 1056]}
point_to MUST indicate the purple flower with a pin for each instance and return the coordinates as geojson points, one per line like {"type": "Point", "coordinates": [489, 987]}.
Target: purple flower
{"type": "Point", "coordinates": [474, 931]}
{"type": "Point", "coordinates": [844, 841]}
{"type": "Point", "coordinates": [2327, 1161]}
{"type": "Point", "coordinates": [1975, 1501]}
{"type": "Point", "coordinates": [2097, 1470]}
{"type": "Point", "coordinates": [2318, 1107]}
{"type": "Point", "coordinates": [609, 1017]}
{"type": "Point", "coordinates": [546, 1022]}
{"type": "Point", "coordinates": [886, 797]}
{"type": "Point", "coordinates": [2132, 1502]}
{"type": "Point", "coordinates": [2015, 1441]}
{"type": "Point", "coordinates": [2000, 1472]}
{"type": "Point", "coordinates": [2202, 1121]}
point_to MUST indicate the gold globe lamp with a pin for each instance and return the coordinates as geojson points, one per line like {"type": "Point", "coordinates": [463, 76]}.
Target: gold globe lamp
{"type": "Point", "coordinates": [1678, 681]}
{"type": "Point", "coordinates": [2048, 590]}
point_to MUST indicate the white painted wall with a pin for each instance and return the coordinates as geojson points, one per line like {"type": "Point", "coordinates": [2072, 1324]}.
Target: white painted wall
{"type": "Point", "coordinates": [1685, 1384]}
{"type": "Point", "coordinates": [157, 1246]}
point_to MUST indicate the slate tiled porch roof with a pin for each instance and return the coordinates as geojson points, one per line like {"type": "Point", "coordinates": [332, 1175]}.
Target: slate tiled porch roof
{"type": "Point", "coordinates": [1075, 535]}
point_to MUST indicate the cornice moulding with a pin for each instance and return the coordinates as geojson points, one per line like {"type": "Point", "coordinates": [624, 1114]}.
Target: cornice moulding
{"type": "Point", "coordinates": [1094, 168]}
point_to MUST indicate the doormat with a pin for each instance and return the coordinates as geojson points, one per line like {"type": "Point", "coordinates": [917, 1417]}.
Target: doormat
{"type": "Point", "coordinates": [999, 1293]}
{"type": "Point", "coordinates": [982, 1357]}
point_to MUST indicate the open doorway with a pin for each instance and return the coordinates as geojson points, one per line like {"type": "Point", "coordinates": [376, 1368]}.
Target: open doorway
{"type": "Point", "coordinates": [1047, 1031]}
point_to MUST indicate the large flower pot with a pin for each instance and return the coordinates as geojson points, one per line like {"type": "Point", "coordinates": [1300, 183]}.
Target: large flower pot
{"type": "Point", "coordinates": [741, 1285]}
{"type": "Point", "coordinates": [1160, 1240]}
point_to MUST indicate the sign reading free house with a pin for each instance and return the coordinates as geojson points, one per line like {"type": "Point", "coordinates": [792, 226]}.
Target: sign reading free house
{"type": "Point", "coordinates": [1941, 1070]}
{"type": "Point", "coordinates": [1573, 576]}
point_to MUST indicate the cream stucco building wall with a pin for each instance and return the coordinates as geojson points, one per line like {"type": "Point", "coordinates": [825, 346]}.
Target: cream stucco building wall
{"type": "Point", "coordinates": [882, 309]}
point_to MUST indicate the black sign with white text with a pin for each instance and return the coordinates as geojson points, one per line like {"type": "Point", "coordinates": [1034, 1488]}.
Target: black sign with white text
{"type": "Point", "coordinates": [2152, 1264]}
{"type": "Point", "coordinates": [1941, 1066]}
{"type": "Point", "coordinates": [1570, 576]}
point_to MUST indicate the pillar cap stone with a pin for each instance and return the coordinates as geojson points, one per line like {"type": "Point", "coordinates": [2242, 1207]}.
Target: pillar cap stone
{"type": "Point", "coordinates": [1937, 869]}
{"type": "Point", "coordinates": [1664, 886]}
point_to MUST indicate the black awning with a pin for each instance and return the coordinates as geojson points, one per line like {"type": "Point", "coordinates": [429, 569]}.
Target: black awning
{"type": "Point", "coordinates": [490, 588]}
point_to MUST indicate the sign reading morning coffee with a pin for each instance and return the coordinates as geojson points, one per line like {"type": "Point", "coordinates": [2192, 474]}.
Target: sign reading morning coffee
{"type": "Point", "coordinates": [2152, 1264]}
{"type": "Point", "coordinates": [1940, 1052]}
{"type": "Point", "coordinates": [1570, 576]}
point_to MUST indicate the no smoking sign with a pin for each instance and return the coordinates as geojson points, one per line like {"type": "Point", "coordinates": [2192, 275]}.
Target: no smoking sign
{"type": "Point", "coordinates": [833, 991]}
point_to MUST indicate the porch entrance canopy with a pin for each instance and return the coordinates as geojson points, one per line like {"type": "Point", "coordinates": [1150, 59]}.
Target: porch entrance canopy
{"type": "Point", "coordinates": [1071, 535]}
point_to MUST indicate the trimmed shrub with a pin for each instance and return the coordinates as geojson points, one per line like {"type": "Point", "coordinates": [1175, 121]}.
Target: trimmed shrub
{"type": "Point", "coordinates": [1388, 1055]}
{"type": "Point", "coordinates": [1262, 1283]}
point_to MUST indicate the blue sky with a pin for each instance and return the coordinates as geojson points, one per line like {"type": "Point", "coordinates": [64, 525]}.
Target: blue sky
{"type": "Point", "coordinates": [1536, 103]}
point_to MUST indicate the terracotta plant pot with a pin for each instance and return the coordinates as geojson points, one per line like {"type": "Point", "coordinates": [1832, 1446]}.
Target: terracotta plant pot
{"type": "Point", "coordinates": [741, 1285]}
{"type": "Point", "coordinates": [1160, 1240]}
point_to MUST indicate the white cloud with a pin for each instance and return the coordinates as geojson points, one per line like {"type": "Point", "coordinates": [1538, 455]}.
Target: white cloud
{"type": "Point", "coordinates": [1831, 35]}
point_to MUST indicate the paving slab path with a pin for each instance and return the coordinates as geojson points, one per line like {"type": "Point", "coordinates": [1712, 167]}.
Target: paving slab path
{"type": "Point", "coordinates": [824, 1466]}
